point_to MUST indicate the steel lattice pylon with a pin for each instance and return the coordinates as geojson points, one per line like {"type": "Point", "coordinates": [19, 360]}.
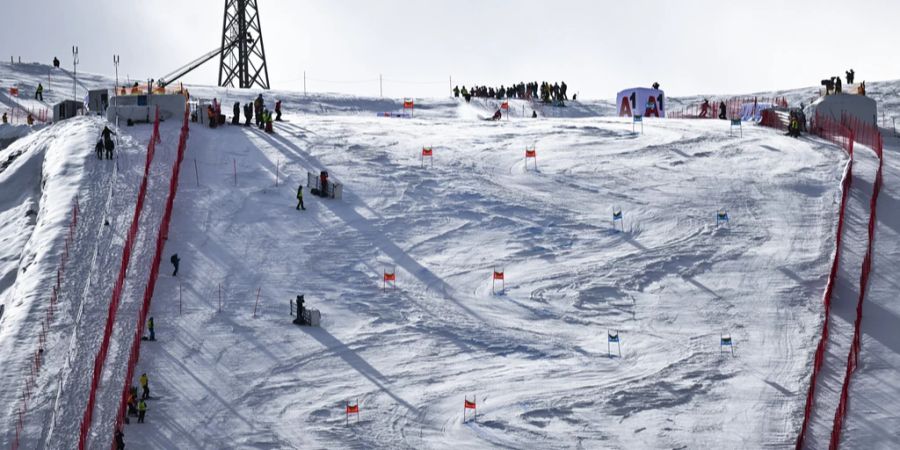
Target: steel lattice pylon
{"type": "Point", "coordinates": [243, 57]}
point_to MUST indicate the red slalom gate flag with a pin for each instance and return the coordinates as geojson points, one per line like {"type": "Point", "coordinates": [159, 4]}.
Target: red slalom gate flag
{"type": "Point", "coordinates": [407, 104]}
{"type": "Point", "coordinates": [14, 91]}
{"type": "Point", "coordinates": [427, 151]}
{"type": "Point", "coordinates": [530, 153]}
{"type": "Point", "coordinates": [498, 275]}
{"type": "Point", "coordinates": [504, 105]}
{"type": "Point", "coordinates": [353, 409]}
{"type": "Point", "coordinates": [390, 276]}
{"type": "Point", "coordinates": [469, 405]}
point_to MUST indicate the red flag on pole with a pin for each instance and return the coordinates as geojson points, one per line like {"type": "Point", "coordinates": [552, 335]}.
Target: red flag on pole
{"type": "Point", "coordinates": [498, 275]}
{"type": "Point", "coordinates": [530, 153]}
{"type": "Point", "coordinates": [352, 409]}
{"type": "Point", "coordinates": [470, 405]}
{"type": "Point", "coordinates": [14, 91]}
{"type": "Point", "coordinates": [504, 105]}
{"type": "Point", "coordinates": [427, 151]}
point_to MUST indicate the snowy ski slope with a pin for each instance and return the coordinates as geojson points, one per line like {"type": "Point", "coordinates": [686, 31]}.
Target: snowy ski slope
{"type": "Point", "coordinates": [536, 355]}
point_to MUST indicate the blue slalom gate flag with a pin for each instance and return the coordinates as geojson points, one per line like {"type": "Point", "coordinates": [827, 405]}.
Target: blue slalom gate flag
{"type": "Point", "coordinates": [613, 338]}
{"type": "Point", "coordinates": [638, 119]}
{"type": "Point", "coordinates": [726, 341]}
{"type": "Point", "coordinates": [723, 216]}
{"type": "Point", "coordinates": [617, 215]}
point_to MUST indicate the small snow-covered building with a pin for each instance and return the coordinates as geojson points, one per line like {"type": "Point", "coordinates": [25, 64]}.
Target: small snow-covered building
{"type": "Point", "coordinates": [67, 109]}
{"type": "Point", "coordinates": [141, 108]}
{"type": "Point", "coordinates": [834, 106]}
{"type": "Point", "coordinates": [647, 102]}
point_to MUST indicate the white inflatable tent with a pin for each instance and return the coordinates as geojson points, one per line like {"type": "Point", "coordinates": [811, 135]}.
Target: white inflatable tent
{"type": "Point", "coordinates": [834, 106]}
{"type": "Point", "coordinates": [647, 102]}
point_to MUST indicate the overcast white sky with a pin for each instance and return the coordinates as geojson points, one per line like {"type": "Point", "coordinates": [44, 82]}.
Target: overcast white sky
{"type": "Point", "coordinates": [597, 47]}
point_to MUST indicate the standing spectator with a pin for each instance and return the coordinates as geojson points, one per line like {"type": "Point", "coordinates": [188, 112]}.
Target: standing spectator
{"type": "Point", "coordinates": [120, 440]}
{"type": "Point", "coordinates": [248, 113]}
{"type": "Point", "coordinates": [175, 261]}
{"type": "Point", "coordinates": [850, 74]}
{"type": "Point", "coordinates": [236, 120]}
{"type": "Point", "coordinates": [837, 85]}
{"type": "Point", "coordinates": [278, 111]}
{"type": "Point", "coordinates": [150, 329]}
{"type": "Point", "coordinates": [300, 198]}
{"type": "Point", "coordinates": [456, 91]}
{"type": "Point", "coordinates": [39, 92]}
{"type": "Point", "coordinates": [142, 410]}
{"type": "Point", "coordinates": [108, 143]}
{"type": "Point", "coordinates": [145, 386]}
{"type": "Point", "coordinates": [55, 62]}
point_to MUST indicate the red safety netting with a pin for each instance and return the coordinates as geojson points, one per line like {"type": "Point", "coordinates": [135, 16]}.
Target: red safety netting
{"type": "Point", "coordinates": [154, 271]}
{"type": "Point", "coordinates": [845, 133]}
{"type": "Point", "coordinates": [867, 135]}
{"type": "Point", "coordinates": [34, 361]}
{"type": "Point", "coordinates": [100, 359]}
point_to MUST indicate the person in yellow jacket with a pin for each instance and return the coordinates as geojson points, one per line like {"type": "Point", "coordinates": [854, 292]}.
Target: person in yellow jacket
{"type": "Point", "coordinates": [39, 92]}
{"type": "Point", "coordinates": [142, 410]}
{"type": "Point", "coordinates": [145, 384]}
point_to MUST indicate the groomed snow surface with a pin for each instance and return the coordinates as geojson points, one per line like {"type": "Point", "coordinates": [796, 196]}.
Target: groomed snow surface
{"type": "Point", "coordinates": [535, 354]}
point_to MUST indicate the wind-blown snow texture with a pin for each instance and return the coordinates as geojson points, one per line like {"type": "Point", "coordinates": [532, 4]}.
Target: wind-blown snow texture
{"type": "Point", "coordinates": [535, 355]}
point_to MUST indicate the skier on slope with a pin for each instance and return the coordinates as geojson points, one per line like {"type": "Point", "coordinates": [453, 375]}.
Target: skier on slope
{"type": "Point", "coordinates": [497, 115]}
{"type": "Point", "coordinates": [175, 260]}
{"type": "Point", "coordinates": [704, 108]}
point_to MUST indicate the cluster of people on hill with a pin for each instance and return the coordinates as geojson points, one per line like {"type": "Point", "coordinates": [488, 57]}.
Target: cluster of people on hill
{"type": "Point", "coordinates": [705, 109]}
{"type": "Point", "coordinates": [833, 85]}
{"type": "Point", "coordinates": [106, 143]}
{"type": "Point", "coordinates": [546, 92]}
{"type": "Point", "coordinates": [255, 112]}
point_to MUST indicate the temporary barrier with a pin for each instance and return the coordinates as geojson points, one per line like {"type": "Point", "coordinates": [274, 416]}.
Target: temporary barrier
{"type": "Point", "coordinates": [847, 132]}
{"type": "Point", "coordinates": [100, 358]}
{"type": "Point", "coordinates": [154, 271]}
{"type": "Point", "coordinates": [34, 361]}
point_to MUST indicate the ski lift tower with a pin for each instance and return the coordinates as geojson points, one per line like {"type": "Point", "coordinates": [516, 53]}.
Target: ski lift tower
{"type": "Point", "coordinates": [243, 56]}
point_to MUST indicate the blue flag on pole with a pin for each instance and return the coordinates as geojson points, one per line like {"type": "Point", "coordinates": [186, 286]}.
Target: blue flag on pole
{"type": "Point", "coordinates": [613, 338]}
{"type": "Point", "coordinates": [617, 215]}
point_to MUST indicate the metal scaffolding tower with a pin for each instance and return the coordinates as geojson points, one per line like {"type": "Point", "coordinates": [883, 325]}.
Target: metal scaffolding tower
{"type": "Point", "coordinates": [243, 56]}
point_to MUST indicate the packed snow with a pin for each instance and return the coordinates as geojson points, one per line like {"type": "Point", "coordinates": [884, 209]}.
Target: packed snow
{"type": "Point", "coordinates": [230, 370]}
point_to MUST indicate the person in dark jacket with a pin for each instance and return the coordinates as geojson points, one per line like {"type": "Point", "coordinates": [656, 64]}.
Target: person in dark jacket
{"type": "Point", "coordinates": [278, 111]}
{"type": "Point", "coordinates": [300, 198]}
{"type": "Point", "coordinates": [248, 113]}
{"type": "Point", "coordinates": [497, 115]}
{"type": "Point", "coordinates": [120, 440]}
{"type": "Point", "coordinates": [175, 262]}
{"type": "Point", "coordinates": [55, 62]}
{"type": "Point", "coordinates": [837, 85]}
{"type": "Point", "coordinates": [850, 74]}
{"type": "Point", "coordinates": [258, 109]}
{"type": "Point", "coordinates": [236, 120]}
{"type": "Point", "coordinates": [150, 329]}
{"type": "Point", "coordinates": [108, 143]}
{"type": "Point", "coordinates": [722, 109]}
{"type": "Point", "coordinates": [39, 92]}
{"type": "Point", "coordinates": [456, 91]}
{"type": "Point", "coordinates": [533, 114]}
{"type": "Point", "coordinates": [99, 148]}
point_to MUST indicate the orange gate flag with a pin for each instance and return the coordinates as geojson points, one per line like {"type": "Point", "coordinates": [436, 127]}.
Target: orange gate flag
{"type": "Point", "coordinates": [469, 405]}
